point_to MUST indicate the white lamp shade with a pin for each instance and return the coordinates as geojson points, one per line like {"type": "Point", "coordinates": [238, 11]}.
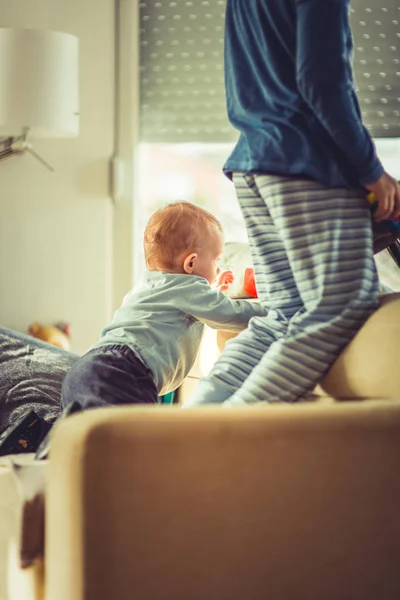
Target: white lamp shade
{"type": "Point", "coordinates": [38, 83]}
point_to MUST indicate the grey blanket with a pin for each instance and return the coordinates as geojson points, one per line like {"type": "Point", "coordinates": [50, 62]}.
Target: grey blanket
{"type": "Point", "coordinates": [31, 375]}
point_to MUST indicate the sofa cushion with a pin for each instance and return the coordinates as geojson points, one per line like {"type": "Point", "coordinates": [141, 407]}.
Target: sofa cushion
{"type": "Point", "coordinates": [31, 375]}
{"type": "Point", "coordinates": [368, 366]}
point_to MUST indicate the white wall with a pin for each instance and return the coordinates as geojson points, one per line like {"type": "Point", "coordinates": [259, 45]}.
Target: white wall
{"type": "Point", "coordinates": [56, 229]}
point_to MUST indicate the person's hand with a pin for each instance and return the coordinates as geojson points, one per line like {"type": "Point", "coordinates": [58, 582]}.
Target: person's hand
{"type": "Point", "coordinates": [224, 280]}
{"type": "Point", "coordinates": [386, 192]}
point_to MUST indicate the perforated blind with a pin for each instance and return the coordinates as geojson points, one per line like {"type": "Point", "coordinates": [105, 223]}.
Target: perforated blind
{"type": "Point", "coordinates": [376, 29]}
{"type": "Point", "coordinates": [182, 79]}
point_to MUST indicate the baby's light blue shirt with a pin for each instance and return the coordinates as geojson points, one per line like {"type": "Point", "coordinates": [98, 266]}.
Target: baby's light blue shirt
{"type": "Point", "coordinates": [162, 320]}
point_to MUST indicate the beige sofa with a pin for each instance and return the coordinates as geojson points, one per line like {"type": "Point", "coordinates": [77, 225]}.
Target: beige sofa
{"type": "Point", "coordinates": [279, 502]}
{"type": "Point", "coordinates": [287, 503]}
{"type": "Point", "coordinates": [273, 502]}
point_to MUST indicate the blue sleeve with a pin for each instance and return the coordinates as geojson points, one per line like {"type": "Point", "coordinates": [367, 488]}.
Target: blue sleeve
{"type": "Point", "coordinates": [325, 80]}
{"type": "Point", "coordinates": [216, 310]}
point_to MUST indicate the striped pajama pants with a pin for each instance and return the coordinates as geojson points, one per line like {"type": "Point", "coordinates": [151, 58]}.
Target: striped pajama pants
{"type": "Point", "coordinates": [313, 259]}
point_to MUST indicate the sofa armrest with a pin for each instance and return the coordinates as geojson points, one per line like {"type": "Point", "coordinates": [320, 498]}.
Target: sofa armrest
{"type": "Point", "coordinates": [270, 502]}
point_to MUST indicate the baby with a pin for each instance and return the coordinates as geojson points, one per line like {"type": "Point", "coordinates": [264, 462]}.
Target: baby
{"type": "Point", "coordinates": [153, 340]}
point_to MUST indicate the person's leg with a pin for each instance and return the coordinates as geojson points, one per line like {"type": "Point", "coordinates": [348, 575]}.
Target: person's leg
{"type": "Point", "coordinates": [108, 375]}
{"type": "Point", "coordinates": [327, 236]}
{"type": "Point", "coordinates": [275, 287]}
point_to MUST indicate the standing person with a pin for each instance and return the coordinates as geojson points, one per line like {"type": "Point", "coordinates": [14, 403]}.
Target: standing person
{"type": "Point", "coordinates": [301, 169]}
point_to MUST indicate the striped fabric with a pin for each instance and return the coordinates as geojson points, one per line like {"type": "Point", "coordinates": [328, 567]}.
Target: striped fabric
{"type": "Point", "coordinates": [313, 259]}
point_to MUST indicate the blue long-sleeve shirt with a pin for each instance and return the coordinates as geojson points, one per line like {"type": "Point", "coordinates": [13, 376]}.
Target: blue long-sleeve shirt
{"type": "Point", "coordinates": [162, 321]}
{"type": "Point", "coordinates": [290, 92]}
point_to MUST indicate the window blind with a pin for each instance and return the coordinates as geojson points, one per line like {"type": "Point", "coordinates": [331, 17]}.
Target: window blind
{"type": "Point", "coordinates": [182, 80]}
{"type": "Point", "coordinates": [376, 30]}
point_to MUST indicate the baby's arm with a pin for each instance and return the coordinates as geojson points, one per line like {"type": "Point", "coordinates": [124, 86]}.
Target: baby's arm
{"type": "Point", "coordinates": [218, 311]}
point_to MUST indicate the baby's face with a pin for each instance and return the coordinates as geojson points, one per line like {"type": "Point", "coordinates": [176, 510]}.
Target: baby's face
{"type": "Point", "coordinates": [207, 262]}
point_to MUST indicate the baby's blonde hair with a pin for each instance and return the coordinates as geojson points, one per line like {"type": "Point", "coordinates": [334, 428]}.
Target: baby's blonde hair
{"type": "Point", "coordinates": [174, 232]}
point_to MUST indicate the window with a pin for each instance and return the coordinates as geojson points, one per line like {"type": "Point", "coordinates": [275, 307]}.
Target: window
{"type": "Point", "coordinates": [191, 172]}
{"type": "Point", "coordinates": [185, 134]}
{"type": "Point", "coordinates": [389, 152]}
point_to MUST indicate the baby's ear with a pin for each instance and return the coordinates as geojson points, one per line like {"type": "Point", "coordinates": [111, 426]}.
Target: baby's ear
{"type": "Point", "coordinates": [189, 262]}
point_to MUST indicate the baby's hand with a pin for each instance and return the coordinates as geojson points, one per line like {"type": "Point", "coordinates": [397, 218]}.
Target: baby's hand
{"type": "Point", "coordinates": [224, 280]}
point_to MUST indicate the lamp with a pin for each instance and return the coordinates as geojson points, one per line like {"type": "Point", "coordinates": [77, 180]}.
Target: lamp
{"type": "Point", "coordinates": [38, 88]}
